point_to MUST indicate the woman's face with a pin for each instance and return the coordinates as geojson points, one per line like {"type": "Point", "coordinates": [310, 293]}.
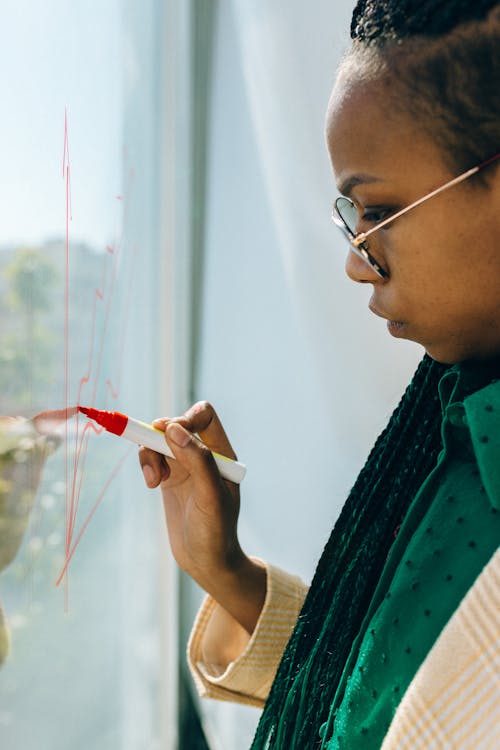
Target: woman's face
{"type": "Point", "coordinates": [443, 257]}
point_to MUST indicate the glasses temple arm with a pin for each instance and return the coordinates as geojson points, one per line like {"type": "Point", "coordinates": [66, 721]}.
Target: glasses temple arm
{"type": "Point", "coordinates": [363, 235]}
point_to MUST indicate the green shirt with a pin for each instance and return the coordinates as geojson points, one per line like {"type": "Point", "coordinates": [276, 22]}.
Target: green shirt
{"type": "Point", "coordinates": [448, 535]}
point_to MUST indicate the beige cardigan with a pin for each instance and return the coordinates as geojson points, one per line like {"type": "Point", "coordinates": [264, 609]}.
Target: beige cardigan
{"type": "Point", "coordinates": [453, 702]}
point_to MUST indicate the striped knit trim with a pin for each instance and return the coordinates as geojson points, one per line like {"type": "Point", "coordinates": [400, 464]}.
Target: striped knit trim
{"type": "Point", "coordinates": [453, 703]}
{"type": "Point", "coordinates": [248, 678]}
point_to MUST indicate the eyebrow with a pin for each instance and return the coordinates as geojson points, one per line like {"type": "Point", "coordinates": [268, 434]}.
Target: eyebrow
{"type": "Point", "coordinates": [356, 179]}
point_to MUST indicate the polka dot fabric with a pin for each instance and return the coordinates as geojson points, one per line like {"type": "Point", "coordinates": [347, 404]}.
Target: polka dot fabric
{"type": "Point", "coordinates": [449, 534]}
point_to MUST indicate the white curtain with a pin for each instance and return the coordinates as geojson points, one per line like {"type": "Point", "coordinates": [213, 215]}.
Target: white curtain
{"type": "Point", "coordinates": [302, 373]}
{"type": "Point", "coordinates": [289, 52]}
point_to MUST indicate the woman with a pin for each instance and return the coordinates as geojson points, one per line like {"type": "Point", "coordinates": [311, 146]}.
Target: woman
{"type": "Point", "coordinates": [394, 643]}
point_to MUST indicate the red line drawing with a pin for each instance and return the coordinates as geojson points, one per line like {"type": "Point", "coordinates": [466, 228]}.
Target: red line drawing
{"type": "Point", "coordinates": [66, 177]}
{"type": "Point", "coordinates": [102, 305]}
{"type": "Point", "coordinates": [89, 516]}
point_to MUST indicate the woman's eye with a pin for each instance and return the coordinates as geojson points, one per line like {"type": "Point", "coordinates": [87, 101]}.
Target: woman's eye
{"type": "Point", "coordinates": [375, 215]}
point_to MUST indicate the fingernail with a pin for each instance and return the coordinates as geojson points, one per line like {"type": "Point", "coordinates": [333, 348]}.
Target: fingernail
{"type": "Point", "coordinates": [178, 434]}
{"type": "Point", "coordinates": [149, 474]}
{"type": "Point", "coordinates": [196, 408]}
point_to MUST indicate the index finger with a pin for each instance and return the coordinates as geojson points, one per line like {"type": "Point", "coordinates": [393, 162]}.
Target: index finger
{"type": "Point", "coordinates": [202, 419]}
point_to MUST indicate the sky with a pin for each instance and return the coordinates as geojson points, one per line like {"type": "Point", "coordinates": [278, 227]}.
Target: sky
{"type": "Point", "coordinates": [59, 56]}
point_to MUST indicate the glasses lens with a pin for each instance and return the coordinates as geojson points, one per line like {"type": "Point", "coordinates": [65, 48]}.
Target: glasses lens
{"type": "Point", "coordinates": [348, 213]}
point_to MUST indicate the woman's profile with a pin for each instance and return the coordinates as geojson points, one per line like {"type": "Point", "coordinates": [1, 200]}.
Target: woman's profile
{"type": "Point", "coordinates": [393, 645]}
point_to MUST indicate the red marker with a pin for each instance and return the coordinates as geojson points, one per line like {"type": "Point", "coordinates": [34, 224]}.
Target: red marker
{"type": "Point", "coordinates": [144, 434]}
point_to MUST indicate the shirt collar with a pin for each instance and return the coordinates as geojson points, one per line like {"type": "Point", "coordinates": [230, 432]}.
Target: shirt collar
{"type": "Point", "coordinates": [482, 410]}
{"type": "Point", "coordinates": [475, 388]}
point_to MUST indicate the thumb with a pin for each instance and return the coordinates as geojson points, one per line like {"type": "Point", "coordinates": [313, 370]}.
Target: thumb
{"type": "Point", "coordinates": [191, 453]}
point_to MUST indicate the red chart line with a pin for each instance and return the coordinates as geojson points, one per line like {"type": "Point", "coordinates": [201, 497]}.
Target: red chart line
{"type": "Point", "coordinates": [115, 390]}
{"type": "Point", "coordinates": [104, 331]}
{"type": "Point", "coordinates": [85, 524]}
{"type": "Point", "coordinates": [102, 295]}
{"type": "Point", "coordinates": [66, 176]}
{"type": "Point", "coordinates": [81, 447]}
{"type": "Point", "coordinates": [114, 387]}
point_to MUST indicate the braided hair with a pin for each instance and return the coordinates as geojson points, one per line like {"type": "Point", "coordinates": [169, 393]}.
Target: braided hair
{"type": "Point", "coordinates": [448, 84]}
{"type": "Point", "coordinates": [374, 21]}
{"type": "Point", "coordinates": [406, 451]}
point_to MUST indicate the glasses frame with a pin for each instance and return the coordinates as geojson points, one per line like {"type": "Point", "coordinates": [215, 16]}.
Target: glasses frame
{"type": "Point", "coordinates": [358, 242]}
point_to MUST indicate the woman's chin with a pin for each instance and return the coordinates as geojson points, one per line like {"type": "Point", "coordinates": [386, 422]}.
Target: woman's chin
{"type": "Point", "coordinates": [396, 328]}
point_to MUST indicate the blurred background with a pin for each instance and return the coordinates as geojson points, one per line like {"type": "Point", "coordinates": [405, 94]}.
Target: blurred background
{"type": "Point", "coordinates": [166, 237]}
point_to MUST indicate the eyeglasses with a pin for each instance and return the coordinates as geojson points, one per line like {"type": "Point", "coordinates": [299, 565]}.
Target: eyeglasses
{"type": "Point", "coordinates": [346, 217]}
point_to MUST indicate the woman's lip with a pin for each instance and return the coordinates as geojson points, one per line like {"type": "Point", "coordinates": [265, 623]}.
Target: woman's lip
{"type": "Point", "coordinates": [374, 310]}
{"type": "Point", "coordinates": [393, 326]}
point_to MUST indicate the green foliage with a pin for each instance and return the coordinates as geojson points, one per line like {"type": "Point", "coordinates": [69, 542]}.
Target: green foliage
{"type": "Point", "coordinates": [32, 278]}
{"type": "Point", "coordinates": [26, 340]}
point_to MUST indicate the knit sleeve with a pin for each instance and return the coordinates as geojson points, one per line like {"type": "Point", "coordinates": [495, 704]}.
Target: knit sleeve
{"type": "Point", "coordinates": [227, 663]}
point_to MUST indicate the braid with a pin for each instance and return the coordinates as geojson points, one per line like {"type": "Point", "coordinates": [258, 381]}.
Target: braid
{"type": "Point", "coordinates": [396, 19]}
{"type": "Point", "coordinates": [351, 564]}
{"type": "Point", "coordinates": [446, 83]}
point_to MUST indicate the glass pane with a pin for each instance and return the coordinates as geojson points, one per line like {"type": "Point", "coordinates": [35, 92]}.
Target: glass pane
{"type": "Point", "coordinates": [79, 535]}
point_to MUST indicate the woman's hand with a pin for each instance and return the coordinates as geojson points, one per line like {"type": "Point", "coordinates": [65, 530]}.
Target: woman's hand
{"type": "Point", "coordinates": [201, 511]}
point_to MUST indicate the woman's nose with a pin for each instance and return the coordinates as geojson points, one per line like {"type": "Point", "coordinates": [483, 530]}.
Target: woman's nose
{"type": "Point", "coordinates": [359, 270]}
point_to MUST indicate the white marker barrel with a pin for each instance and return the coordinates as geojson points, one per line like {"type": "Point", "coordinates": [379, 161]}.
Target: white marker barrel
{"type": "Point", "coordinates": [144, 434]}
